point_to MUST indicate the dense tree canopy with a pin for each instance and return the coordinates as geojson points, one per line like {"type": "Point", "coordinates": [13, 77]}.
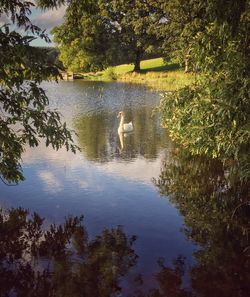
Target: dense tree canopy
{"type": "Point", "coordinates": [25, 117]}
{"type": "Point", "coordinates": [96, 34]}
{"type": "Point", "coordinates": [212, 116]}
{"type": "Point", "coordinates": [183, 20]}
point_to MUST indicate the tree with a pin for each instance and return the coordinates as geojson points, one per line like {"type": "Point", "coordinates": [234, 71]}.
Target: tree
{"type": "Point", "coordinates": [25, 115]}
{"type": "Point", "coordinates": [212, 115]}
{"type": "Point", "coordinates": [97, 34]}
{"type": "Point", "coordinates": [183, 20]}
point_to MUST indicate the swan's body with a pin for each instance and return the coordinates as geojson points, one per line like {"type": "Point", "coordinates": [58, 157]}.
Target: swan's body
{"type": "Point", "coordinates": [124, 127]}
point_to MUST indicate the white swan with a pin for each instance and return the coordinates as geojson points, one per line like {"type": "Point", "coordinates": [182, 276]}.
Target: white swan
{"type": "Point", "coordinates": [123, 128]}
{"type": "Point", "coordinates": [121, 138]}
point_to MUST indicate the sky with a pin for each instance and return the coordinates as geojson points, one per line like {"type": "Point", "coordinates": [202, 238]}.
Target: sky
{"type": "Point", "coordinates": [43, 19]}
{"type": "Point", "coordinates": [47, 20]}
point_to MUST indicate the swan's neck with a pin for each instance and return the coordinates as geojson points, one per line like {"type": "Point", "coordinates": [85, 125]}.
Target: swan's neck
{"type": "Point", "coordinates": [121, 140]}
{"type": "Point", "coordinates": [121, 122]}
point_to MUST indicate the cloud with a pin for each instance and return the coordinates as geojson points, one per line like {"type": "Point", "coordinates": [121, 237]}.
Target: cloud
{"type": "Point", "coordinates": [140, 170]}
{"type": "Point", "coordinates": [43, 19]}
{"type": "Point", "coordinates": [76, 166]}
{"type": "Point", "coordinates": [49, 19]}
{"type": "Point", "coordinates": [50, 181]}
{"type": "Point", "coordinates": [4, 19]}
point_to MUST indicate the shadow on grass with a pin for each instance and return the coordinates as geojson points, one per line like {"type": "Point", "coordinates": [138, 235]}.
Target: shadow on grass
{"type": "Point", "coordinates": [167, 67]}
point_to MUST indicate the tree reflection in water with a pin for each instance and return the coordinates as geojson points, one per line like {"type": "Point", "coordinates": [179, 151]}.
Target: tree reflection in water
{"type": "Point", "coordinates": [216, 210]}
{"type": "Point", "coordinates": [60, 261]}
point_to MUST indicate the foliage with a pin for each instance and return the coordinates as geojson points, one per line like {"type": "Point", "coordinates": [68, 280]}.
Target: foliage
{"type": "Point", "coordinates": [110, 74]}
{"type": "Point", "coordinates": [98, 34]}
{"type": "Point", "coordinates": [25, 117]}
{"type": "Point", "coordinates": [183, 20]}
{"type": "Point", "coordinates": [212, 115]}
{"type": "Point", "coordinates": [75, 266]}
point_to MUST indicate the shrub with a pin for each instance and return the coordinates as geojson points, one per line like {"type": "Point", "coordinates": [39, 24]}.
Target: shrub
{"type": "Point", "coordinates": [110, 74]}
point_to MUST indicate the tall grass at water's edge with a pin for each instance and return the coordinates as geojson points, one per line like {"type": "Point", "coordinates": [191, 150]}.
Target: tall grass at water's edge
{"type": "Point", "coordinates": [168, 81]}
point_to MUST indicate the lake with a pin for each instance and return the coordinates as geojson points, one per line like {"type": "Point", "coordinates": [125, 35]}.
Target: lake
{"type": "Point", "coordinates": [131, 180]}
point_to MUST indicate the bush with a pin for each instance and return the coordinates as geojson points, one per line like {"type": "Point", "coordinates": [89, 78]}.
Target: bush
{"type": "Point", "coordinates": [110, 74]}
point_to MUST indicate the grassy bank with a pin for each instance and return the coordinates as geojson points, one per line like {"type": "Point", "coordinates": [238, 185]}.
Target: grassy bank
{"type": "Point", "coordinates": [154, 73]}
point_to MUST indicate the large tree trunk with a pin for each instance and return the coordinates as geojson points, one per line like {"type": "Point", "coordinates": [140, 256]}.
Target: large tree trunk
{"type": "Point", "coordinates": [186, 64]}
{"type": "Point", "coordinates": [187, 59]}
{"type": "Point", "coordinates": [138, 56]}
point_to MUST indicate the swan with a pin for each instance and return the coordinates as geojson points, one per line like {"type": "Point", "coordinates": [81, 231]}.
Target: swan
{"type": "Point", "coordinates": [123, 128]}
{"type": "Point", "coordinates": [121, 138]}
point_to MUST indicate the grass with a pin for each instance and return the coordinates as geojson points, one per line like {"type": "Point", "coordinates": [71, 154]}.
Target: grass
{"type": "Point", "coordinates": [154, 73]}
{"type": "Point", "coordinates": [151, 65]}
{"type": "Point", "coordinates": [168, 81]}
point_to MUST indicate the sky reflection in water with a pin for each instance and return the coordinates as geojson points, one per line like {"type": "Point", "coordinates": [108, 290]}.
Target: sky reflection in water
{"type": "Point", "coordinates": [111, 184]}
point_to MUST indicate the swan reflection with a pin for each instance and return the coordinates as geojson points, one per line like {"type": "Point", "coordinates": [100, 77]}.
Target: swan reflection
{"type": "Point", "coordinates": [124, 139]}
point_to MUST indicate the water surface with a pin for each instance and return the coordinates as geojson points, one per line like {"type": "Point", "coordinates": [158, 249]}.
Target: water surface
{"type": "Point", "coordinates": [115, 179]}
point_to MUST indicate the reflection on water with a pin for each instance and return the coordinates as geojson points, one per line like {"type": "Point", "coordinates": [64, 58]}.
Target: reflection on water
{"type": "Point", "coordinates": [195, 242]}
{"type": "Point", "coordinates": [61, 261]}
{"type": "Point", "coordinates": [111, 186]}
{"type": "Point", "coordinates": [216, 211]}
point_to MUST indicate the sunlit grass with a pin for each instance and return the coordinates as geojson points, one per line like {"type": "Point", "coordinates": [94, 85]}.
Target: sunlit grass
{"type": "Point", "coordinates": [154, 73]}
{"type": "Point", "coordinates": [169, 81]}
{"type": "Point", "coordinates": [157, 65]}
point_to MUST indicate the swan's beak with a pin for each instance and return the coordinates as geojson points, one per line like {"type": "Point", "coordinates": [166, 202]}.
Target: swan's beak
{"type": "Point", "coordinates": [118, 115]}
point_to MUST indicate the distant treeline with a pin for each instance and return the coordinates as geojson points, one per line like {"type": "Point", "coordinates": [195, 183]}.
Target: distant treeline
{"type": "Point", "coordinates": [53, 56]}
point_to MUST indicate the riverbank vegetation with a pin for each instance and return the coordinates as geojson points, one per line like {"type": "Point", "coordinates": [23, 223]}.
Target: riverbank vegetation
{"type": "Point", "coordinates": [155, 73]}
{"type": "Point", "coordinates": [212, 117]}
